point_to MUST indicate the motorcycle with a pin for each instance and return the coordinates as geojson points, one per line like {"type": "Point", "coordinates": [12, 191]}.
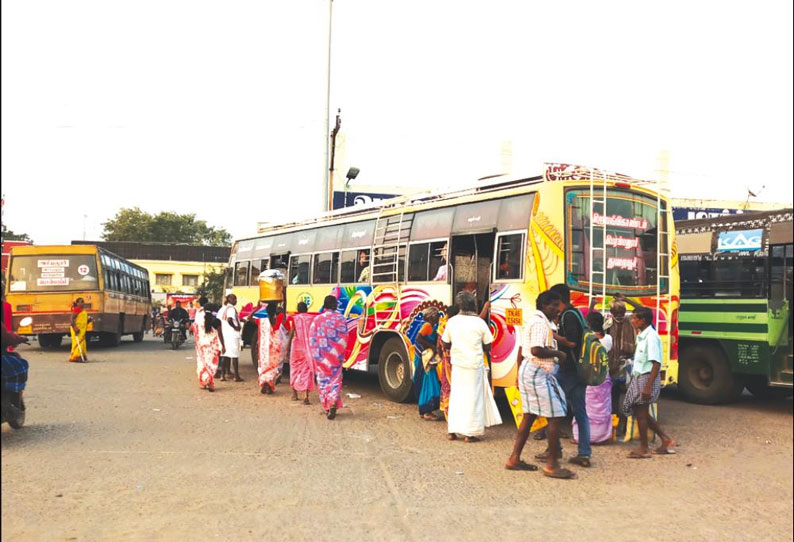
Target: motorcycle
{"type": "Point", "coordinates": [15, 376]}
{"type": "Point", "coordinates": [175, 333]}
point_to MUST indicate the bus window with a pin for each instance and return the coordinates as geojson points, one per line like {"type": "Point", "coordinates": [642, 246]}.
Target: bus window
{"type": "Point", "coordinates": [52, 274]}
{"type": "Point", "coordinates": [631, 239]}
{"type": "Point", "coordinates": [299, 269]}
{"type": "Point", "coordinates": [509, 252]}
{"type": "Point", "coordinates": [418, 261]}
{"type": "Point", "coordinates": [256, 268]}
{"type": "Point", "coordinates": [241, 273]}
{"type": "Point", "coordinates": [427, 261]}
{"type": "Point", "coordinates": [355, 266]}
{"type": "Point", "coordinates": [780, 274]}
{"type": "Point", "coordinates": [326, 268]}
{"type": "Point", "coordinates": [279, 261]}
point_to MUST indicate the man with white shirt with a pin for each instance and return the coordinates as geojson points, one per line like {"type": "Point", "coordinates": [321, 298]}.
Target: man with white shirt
{"type": "Point", "coordinates": [541, 394]}
{"type": "Point", "coordinates": [232, 341]}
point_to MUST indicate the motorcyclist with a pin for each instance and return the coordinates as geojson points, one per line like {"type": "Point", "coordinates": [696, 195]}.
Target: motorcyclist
{"type": "Point", "coordinates": [180, 315]}
{"type": "Point", "coordinates": [14, 372]}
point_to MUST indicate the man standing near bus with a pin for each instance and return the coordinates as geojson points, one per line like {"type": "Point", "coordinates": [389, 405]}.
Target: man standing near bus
{"type": "Point", "coordinates": [571, 337]}
{"type": "Point", "coordinates": [646, 384]}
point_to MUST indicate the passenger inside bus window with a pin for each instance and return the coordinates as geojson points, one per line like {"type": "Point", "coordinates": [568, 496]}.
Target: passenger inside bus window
{"type": "Point", "coordinates": [509, 262]}
{"type": "Point", "coordinates": [299, 269]}
{"type": "Point", "coordinates": [438, 260]}
{"type": "Point", "coordinates": [362, 265]}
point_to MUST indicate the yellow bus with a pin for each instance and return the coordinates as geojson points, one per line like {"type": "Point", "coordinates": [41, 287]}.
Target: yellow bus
{"type": "Point", "coordinates": [44, 281]}
{"type": "Point", "coordinates": [505, 240]}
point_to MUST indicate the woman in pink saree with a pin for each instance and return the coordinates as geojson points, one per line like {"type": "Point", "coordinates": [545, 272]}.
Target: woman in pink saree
{"type": "Point", "coordinates": [327, 342]}
{"type": "Point", "coordinates": [301, 364]}
{"type": "Point", "coordinates": [269, 354]}
{"type": "Point", "coordinates": [209, 347]}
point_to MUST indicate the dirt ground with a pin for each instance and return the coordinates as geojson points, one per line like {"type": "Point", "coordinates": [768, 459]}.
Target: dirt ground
{"type": "Point", "coordinates": [127, 447]}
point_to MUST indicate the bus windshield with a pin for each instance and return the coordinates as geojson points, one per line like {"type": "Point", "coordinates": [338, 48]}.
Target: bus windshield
{"type": "Point", "coordinates": [53, 273]}
{"type": "Point", "coordinates": [631, 241]}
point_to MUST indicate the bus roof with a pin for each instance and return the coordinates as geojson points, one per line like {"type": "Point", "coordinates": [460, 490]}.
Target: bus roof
{"type": "Point", "coordinates": [35, 250]}
{"type": "Point", "coordinates": [496, 187]}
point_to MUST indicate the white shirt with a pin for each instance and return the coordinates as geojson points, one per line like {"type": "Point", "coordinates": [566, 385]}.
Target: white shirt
{"type": "Point", "coordinates": [467, 335]}
{"type": "Point", "coordinates": [537, 332]}
{"type": "Point", "coordinates": [606, 340]}
{"type": "Point", "coordinates": [229, 311]}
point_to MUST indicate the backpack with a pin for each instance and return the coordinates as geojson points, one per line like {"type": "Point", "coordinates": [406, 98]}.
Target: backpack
{"type": "Point", "coordinates": [592, 365]}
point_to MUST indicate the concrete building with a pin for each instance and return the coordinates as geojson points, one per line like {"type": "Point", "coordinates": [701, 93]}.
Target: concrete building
{"type": "Point", "coordinates": [173, 268]}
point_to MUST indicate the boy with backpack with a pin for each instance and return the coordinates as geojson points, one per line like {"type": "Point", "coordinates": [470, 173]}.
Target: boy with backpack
{"type": "Point", "coordinates": [571, 330]}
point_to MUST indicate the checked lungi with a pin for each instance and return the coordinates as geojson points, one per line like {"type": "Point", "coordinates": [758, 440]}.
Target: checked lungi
{"type": "Point", "coordinates": [541, 394]}
{"type": "Point", "coordinates": [634, 393]}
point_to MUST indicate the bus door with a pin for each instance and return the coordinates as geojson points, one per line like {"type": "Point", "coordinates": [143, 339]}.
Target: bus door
{"type": "Point", "coordinates": [472, 258]}
{"type": "Point", "coordinates": [780, 298]}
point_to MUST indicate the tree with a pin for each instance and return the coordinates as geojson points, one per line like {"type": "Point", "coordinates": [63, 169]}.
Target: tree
{"type": "Point", "coordinates": [212, 286]}
{"type": "Point", "coordinates": [165, 227]}
{"type": "Point", "coordinates": [9, 235]}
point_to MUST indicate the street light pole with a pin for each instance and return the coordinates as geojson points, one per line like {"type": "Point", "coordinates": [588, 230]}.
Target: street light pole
{"type": "Point", "coordinates": [328, 197]}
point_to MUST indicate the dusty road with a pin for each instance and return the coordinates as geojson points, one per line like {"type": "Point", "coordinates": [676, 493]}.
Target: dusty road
{"type": "Point", "coordinates": [128, 447]}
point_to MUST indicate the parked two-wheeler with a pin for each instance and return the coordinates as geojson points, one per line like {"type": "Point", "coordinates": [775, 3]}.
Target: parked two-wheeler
{"type": "Point", "coordinates": [15, 376]}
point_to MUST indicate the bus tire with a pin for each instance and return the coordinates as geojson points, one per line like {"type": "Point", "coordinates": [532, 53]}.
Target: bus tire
{"type": "Point", "coordinates": [394, 371]}
{"type": "Point", "coordinates": [705, 376]}
{"type": "Point", "coordinates": [138, 336]}
{"type": "Point", "coordinates": [49, 340]}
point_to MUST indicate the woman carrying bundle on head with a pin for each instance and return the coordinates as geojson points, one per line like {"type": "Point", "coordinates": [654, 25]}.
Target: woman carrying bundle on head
{"type": "Point", "coordinates": [269, 348]}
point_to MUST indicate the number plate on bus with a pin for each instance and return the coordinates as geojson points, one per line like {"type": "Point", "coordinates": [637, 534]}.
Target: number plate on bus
{"type": "Point", "coordinates": [514, 317]}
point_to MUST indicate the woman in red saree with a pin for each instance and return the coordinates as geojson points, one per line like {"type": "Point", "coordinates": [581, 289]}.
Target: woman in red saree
{"type": "Point", "coordinates": [301, 364]}
{"type": "Point", "coordinates": [328, 341]}
{"type": "Point", "coordinates": [269, 354]}
{"type": "Point", "coordinates": [209, 347]}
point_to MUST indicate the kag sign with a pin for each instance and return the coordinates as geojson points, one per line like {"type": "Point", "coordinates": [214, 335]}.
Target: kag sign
{"type": "Point", "coordinates": [740, 240]}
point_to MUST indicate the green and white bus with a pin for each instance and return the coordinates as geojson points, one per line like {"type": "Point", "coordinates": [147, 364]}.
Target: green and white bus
{"type": "Point", "coordinates": [735, 327]}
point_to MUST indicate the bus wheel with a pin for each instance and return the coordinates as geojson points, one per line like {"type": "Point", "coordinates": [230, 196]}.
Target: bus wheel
{"type": "Point", "coordinates": [50, 340]}
{"type": "Point", "coordinates": [394, 371]}
{"type": "Point", "coordinates": [705, 376]}
{"type": "Point", "coordinates": [759, 386]}
{"type": "Point", "coordinates": [137, 337]}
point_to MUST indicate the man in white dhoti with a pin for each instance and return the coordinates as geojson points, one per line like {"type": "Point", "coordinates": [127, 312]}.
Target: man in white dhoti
{"type": "Point", "coordinates": [471, 405]}
{"type": "Point", "coordinates": [230, 327]}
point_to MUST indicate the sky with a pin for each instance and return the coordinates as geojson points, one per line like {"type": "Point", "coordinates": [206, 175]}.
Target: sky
{"type": "Point", "coordinates": [218, 108]}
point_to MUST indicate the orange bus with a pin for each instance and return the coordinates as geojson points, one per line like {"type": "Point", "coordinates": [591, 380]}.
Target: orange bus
{"type": "Point", "coordinates": [44, 281]}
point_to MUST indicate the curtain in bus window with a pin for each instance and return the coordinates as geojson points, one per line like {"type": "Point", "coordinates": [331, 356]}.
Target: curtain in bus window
{"type": "Point", "coordinates": [630, 242]}
{"type": "Point", "coordinates": [435, 224]}
{"type": "Point", "coordinates": [514, 212]}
